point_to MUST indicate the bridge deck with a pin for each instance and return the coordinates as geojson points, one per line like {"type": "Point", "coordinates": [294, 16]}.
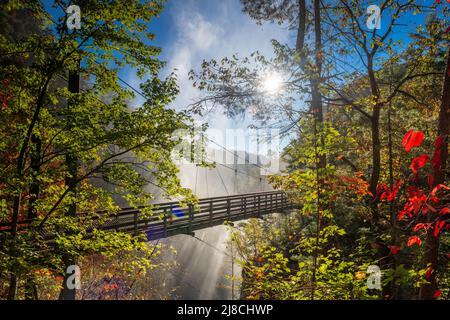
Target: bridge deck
{"type": "Point", "coordinates": [169, 218]}
{"type": "Point", "coordinates": [210, 212]}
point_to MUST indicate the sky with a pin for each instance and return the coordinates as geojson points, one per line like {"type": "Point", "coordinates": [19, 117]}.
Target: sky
{"type": "Point", "coordinates": [190, 31]}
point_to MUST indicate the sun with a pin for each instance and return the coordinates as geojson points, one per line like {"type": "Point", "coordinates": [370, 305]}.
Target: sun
{"type": "Point", "coordinates": [272, 83]}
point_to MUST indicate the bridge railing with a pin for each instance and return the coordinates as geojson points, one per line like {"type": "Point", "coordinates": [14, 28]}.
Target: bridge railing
{"type": "Point", "coordinates": [210, 212]}
{"type": "Point", "coordinates": [170, 218]}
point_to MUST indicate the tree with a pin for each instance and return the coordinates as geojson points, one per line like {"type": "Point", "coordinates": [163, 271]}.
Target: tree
{"type": "Point", "coordinates": [367, 76]}
{"type": "Point", "coordinates": [111, 141]}
{"type": "Point", "coordinates": [440, 176]}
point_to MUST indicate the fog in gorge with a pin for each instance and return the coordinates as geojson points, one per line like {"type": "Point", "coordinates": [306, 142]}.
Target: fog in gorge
{"type": "Point", "coordinates": [204, 260]}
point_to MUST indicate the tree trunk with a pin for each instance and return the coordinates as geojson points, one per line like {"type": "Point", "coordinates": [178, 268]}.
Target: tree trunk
{"type": "Point", "coordinates": [21, 159]}
{"type": "Point", "coordinates": [375, 130]}
{"type": "Point", "coordinates": [71, 182]}
{"type": "Point", "coordinates": [430, 258]}
{"type": "Point", "coordinates": [35, 168]}
{"type": "Point", "coordinates": [376, 149]}
{"type": "Point", "coordinates": [30, 285]}
{"type": "Point", "coordinates": [301, 27]}
{"type": "Point", "coordinates": [317, 109]}
{"type": "Point", "coordinates": [12, 291]}
{"type": "Point", "coordinates": [375, 222]}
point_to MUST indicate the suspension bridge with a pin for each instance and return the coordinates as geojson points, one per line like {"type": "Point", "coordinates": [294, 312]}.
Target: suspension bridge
{"type": "Point", "coordinates": [170, 218]}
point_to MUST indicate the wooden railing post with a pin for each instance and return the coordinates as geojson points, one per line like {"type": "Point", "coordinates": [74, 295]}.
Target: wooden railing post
{"type": "Point", "coordinates": [165, 223]}
{"type": "Point", "coordinates": [265, 203]}
{"type": "Point", "coordinates": [278, 201]}
{"type": "Point", "coordinates": [271, 202]}
{"type": "Point", "coordinates": [146, 223]}
{"type": "Point", "coordinates": [228, 209]}
{"type": "Point", "coordinates": [259, 205]}
{"type": "Point", "coordinates": [191, 217]}
{"type": "Point", "coordinates": [211, 213]}
{"type": "Point", "coordinates": [136, 222]}
{"type": "Point", "coordinates": [281, 201]}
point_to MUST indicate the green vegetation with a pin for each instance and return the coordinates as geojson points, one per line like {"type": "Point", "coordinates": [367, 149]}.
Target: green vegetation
{"type": "Point", "coordinates": [368, 115]}
{"type": "Point", "coordinates": [55, 142]}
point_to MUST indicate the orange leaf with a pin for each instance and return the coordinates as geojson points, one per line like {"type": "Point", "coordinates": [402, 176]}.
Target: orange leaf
{"type": "Point", "coordinates": [419, 226]}
{"type": "Point", "coordinates": [414, 240]}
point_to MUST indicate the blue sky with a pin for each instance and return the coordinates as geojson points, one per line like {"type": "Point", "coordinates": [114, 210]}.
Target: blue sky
{"type": "Point", "coordinates": [189, 31]}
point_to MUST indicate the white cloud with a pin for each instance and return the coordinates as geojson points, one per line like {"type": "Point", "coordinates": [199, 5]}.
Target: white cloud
{"type": "Point", "coordinates": [199, 33]}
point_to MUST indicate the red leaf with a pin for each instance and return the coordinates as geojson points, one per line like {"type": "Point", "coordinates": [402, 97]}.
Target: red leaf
{"type": "Point", "coordinates": [444, 211]}
{"type": "Point", "coordinates": [428, 273]}
{"type": "Point", "coordinates": [419, 226]}
{"type": "Point", "coordinates": [412, 139]}
{"type": "Point", "coordinates": [394, 249]}
{"type": "Point", "coordinates": [438, 227]}
{"type": "Point", "coordinates": [439, 186]}
{"type": "Point", "coordinates": [414, 240]}
{"type": "Point", "coordinates": [401, 215]}
{"type": "Point", "coordinates": [419, 162]}
{"type": "Point", "coordinates": [390, 194]}
{"type": "Point", "coordinates": [437, 294]}
{"type": "Point", "coordinates": [394, 190]}
{"type": "Point", "coordinates": [433, 209]}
